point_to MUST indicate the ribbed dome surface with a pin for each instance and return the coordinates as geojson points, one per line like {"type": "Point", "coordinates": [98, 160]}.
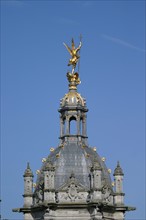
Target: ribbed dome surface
{"type": "Point", "coordinates": [72, 98]}
{"type": "Point", "coordinates": [73, 157]}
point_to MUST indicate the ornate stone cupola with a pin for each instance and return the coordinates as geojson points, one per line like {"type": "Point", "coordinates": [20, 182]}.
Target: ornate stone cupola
{"type": "Point", "coordinates": [73, 181]}
{"type": "Point", "coordinates": [73, 112]}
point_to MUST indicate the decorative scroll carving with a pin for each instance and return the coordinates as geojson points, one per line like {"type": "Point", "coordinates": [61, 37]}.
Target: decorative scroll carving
{"type": "Point", "coordinates": [72, 194]}
{"type": "Point", "coordinates": [72, 191]}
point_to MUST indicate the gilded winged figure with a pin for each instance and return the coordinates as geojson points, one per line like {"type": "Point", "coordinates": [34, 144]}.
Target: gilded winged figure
{"type": "Point", "coordinates": [74, 53]}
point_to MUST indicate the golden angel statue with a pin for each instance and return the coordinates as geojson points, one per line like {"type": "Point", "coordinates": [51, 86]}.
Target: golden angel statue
{"type": "Point", "coordinates": [74, 53]}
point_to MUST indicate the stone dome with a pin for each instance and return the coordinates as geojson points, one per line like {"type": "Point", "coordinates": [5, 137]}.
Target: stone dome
{"type": "Point", "coordinates": [74, 158]}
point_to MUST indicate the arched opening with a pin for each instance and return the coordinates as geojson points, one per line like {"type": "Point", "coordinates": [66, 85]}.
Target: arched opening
{"type": "Point", "coordinates": [73, 126]}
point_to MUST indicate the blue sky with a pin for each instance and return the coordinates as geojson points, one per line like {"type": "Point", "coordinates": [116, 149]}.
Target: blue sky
{"type": "Point", "coordinates": [33, 79]}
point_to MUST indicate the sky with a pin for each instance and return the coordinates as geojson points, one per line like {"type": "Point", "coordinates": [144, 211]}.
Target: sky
{"type": "Point", "coordinates": [33, 80]}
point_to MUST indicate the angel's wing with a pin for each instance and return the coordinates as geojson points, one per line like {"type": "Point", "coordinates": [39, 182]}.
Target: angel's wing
{"type": "Point", "coordinates": [79, 47]}
{"type": "Point", "coordinates": [68, 48]}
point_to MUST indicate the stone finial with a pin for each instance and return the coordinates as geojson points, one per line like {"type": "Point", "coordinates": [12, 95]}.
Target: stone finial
{"type": "Point", "coordinates": [28, 172]}
{"type": "Point", "coordinates": [118, 170]}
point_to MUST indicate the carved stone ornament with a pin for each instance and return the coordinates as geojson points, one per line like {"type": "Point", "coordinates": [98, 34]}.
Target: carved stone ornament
{"type": "Point", "coordinates": [72, 191]}
{"type": "Point", "coordinates": [106, 193]}
{"type": "Point", "coordinates": [38, 198]}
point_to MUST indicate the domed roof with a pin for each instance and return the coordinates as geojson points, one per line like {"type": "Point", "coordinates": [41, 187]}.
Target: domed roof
{"type": "Point", "coordinates": [72, 98]}
{"type": "Point", "coordinates": [73, 157]}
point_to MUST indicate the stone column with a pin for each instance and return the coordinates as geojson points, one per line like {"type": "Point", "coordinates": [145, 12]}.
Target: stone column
{"type": "Point", "coordinates": [49, 191]}
{"type": "Point", "coordinates": [96, 175]}
{"type": "Point", "coordinates": [84, 129]}
{"type": "Point", "coordinates": [61, 126]}
{"type": "Point", "coordinates": [78, 125]}
{"type": "Point", "coordinates": [118, 178]}
{"type": "Point", "coordinates": [28, 187]}
{"type": "Point", "coordinates": [67, 125]}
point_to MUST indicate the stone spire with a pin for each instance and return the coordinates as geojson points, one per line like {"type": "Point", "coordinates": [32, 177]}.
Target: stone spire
{"type": "Point", "coordinates": [118, 178]}
{"type": "Point", "coordinates": [28, 172]}
{"type": "Point", "coordinates": [28, 188]}
{"type": "Point", "coordinates": [118, 170]}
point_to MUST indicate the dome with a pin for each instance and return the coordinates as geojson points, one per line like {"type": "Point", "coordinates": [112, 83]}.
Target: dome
{"type": "Point", "coordinates": [74, 158]}
{"type": "Point", "coordinates": [72, 98]}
